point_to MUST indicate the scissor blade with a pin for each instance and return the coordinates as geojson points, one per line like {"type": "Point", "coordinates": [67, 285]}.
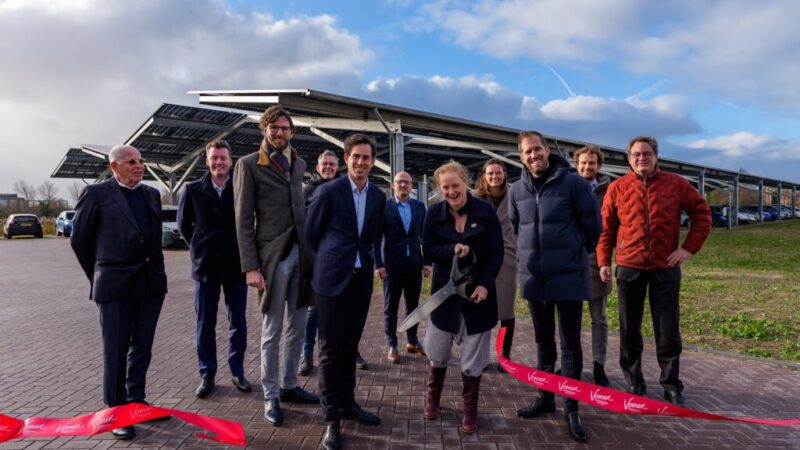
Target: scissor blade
{"type": "Point", "coordinates": [424, 310]}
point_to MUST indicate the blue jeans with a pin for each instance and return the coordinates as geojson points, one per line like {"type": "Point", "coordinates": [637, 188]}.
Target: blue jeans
{"type": "Point", "coordinates": [206, 300]}
{"type": "Point", "coordinates": [310, 339]}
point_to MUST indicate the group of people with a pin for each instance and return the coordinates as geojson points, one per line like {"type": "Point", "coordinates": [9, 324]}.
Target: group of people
{"type": "Point", "coordinates": [312, 251]}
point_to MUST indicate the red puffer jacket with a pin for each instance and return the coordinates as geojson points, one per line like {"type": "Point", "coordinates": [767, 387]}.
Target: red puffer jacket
{"type": "Point", "coordinates": [641, 219]}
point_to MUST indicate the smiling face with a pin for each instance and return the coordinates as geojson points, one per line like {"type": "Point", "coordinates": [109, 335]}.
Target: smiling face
{"type": "Point", "coordinates": [219, 162]}
{"type": "Point", "coordinates": [533, 154]}
{"type": "Point", "coordinates": [327, 167]}
{"type": "Point", "coordinates": [279, 133]}
{"type": "Point", "coordinates": [402, 186]}
{"type": "Point", "coordinates": [642, 159]}
{"type": "Point", "coordinates": [128, 167]}
{"type": "Point", "coordinates": [494, 175]}
{"type": "Point", "coordinates": [588, 166]}
{"type": "Point", "coordinates": [359, 162]}
{"type": "Point", "coordinates": [454, 189]}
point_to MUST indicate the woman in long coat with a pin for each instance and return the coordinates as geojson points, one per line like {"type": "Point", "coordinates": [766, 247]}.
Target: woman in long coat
{"type": "Point", "coordinates": [467, 227]}
{"type": "Point", "coordinates": [493, 188]}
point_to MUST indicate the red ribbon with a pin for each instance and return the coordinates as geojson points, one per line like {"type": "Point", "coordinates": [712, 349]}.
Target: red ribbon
{"type": "Point", "coordinates": [227, 432]}
{"type": "Point", "coordinates": [611, 399]}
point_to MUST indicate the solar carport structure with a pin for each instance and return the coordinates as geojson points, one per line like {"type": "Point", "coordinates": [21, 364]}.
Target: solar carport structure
{"type": "Point", "coordinates": [173, 139]}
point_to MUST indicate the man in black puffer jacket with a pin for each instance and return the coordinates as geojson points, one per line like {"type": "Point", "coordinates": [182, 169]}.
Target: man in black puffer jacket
{"type": "Point", "coordinates": [557, 222]}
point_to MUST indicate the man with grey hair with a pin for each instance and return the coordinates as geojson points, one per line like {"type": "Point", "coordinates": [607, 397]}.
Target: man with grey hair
{"type": "Point", "coordinates": [117, 241]}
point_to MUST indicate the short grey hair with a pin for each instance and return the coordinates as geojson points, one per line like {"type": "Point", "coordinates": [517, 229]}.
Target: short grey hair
{"type": "Point", "coordinates": [327, 153]}
{"type": "Point", "coordinates": [117, 153]}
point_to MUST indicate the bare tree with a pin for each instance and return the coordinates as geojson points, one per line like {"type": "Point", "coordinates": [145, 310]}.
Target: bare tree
{"type": "Point", "coordinates": [47, 191]}
{"type": "Point", "coordinates": [25, 190]}
{"type": "Point", "coordinates": [74, 191]}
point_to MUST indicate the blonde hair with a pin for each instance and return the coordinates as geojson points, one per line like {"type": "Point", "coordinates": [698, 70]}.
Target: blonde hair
{"type": "Point", "coordinates": [451, 166]}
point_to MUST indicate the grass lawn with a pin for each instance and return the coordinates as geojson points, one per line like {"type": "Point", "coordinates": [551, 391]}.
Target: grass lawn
{"type": "Point", "coordinates": [740, 293]}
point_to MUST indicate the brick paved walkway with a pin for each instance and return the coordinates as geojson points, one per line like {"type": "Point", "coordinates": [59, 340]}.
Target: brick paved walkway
{"type": "Point", "coordinates": [50, 365]}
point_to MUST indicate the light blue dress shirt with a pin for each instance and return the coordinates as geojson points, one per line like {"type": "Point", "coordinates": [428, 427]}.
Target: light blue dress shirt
{"type": "Point", "coordinates": [360, 200]}
{"type": "Point", "coordinates": [404, 209]}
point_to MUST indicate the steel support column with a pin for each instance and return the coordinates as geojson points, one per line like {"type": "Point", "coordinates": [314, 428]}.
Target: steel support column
{"type": "Point", "coordinates": [780, 201]}
{"type": "Point", "coordinates": [761, 201]}
{"type": "Point", "coordinates": [736, 200]}
{"type": "Point", "coordinates": [396, 153]}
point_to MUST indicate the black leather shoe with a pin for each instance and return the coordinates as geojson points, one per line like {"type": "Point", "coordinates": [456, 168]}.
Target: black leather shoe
{"type": "Point", "coordinates": [599, 373]}
{"type": "Point", "coordinates": [539, 406]}
{"type": "Point", "coordinates": [361, 364]}
{"type": "Point", "coordinates": [360, 416]}
{"type": "Point", "coordinates": [306, 365]}
{"type": "Point", "coordinates": [205, 388]}
{"type": "Point", "coordinates": [636, 389]}
{"type": "Point", "coordinates": [124, 433]}
{"type": "Point", "coordinates": [332, 439]}
{"type": "Point", "coordinates": [272, 412]}
{"type": "Point", "coordinates": [298, 395]}
{"type": "Point", "coordinates": [242, 384]}
{"type": "Point", "coordinates": [675, 397]}
{"type": "Point", "coordinates": [576, 428]}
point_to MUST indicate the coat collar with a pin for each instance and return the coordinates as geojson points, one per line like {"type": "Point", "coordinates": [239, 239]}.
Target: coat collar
{"type": "Point", "coordinates": [473, 209]}
{"type": "Point", "coordinates": [116, 194]}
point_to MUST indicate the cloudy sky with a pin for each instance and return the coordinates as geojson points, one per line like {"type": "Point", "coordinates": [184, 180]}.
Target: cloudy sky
{"type": "Point", "coordinates": [716, 82]}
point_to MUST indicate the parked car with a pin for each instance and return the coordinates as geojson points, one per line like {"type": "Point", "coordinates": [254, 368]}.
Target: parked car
{"type": "Point", "coordinates": [746, 217]}
{"type": "Point", "coordinates": [719, 217]}
{"type": "Point", "coordinates": [170, 234]}
{"type": "Point", "coordinates": [64, 223]}
{"type": "Point", "coordinates": [23, 225]}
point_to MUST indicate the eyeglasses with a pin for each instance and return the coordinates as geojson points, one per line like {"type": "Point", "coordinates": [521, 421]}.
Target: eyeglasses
{"type": "Point", "coordinates": [275, 129]}
{"type": "Point", "coordinates": [402, 182]}
{"type": "Point", "coordinates": [329, 164]}
{"type": "Point", "coordinates": [642, 155]}
{"type": "Point", "coordinates": [134, 161]}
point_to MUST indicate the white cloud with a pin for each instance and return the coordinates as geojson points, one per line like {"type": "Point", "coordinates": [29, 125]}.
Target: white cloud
{"type": "Point", "coordinates": [91, 71]}
{"type": "Point", "coordinates": [603, 120]}
{"type": "Point", "coordinates": [748, 146]}
{"type": "Point", "coordinates": [741, 50]}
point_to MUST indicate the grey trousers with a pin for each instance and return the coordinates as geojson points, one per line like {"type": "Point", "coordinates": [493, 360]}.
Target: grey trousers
{"type": "Point", "coordinates": [283, 296]}
{"type": "Point", "coordinates": [474, 348]}
{"type": "Point", "coordinates": [597, 310]}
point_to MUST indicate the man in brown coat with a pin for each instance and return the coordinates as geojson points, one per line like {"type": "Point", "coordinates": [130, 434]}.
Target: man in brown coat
{"type": "Point", "coordinates": [270, 221]}
{"type": "Point", "coordinates": [588, 161]}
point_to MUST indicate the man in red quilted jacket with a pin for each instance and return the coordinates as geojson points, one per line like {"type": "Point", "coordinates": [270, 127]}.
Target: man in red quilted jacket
{"type": "Point", "coordinates": [641, 222]}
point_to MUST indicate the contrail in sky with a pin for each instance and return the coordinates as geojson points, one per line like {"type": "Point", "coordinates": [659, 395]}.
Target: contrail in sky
{"type": "Point", "coordinates": [562, 80]}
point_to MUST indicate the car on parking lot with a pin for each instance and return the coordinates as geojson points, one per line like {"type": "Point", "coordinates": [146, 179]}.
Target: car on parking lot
{"type": "Point", "coordinates": [719, 217]}
{"type": "Point", "coordinates": [64, 223]}
{"type": "Point", "coordinates": [23, 225]}
{"type": "Point", "coordinates": [745, 216]}
{"type": "Point", "coordinates": [170, 234]}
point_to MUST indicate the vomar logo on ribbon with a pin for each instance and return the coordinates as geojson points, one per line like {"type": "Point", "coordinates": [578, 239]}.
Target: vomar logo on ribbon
{"type": "Point", "coordinates": [104, 423]}
{"type": "Point", "coordinates": [567, 388]}
{"type": "Point", "coordinates": [532, 378]}
{"type": "Point", "coordinates": [601, 399]}
{"type": "Point", "coordinates": [632, 405]}
{"type": "Point", "coordinates": [70, 427]}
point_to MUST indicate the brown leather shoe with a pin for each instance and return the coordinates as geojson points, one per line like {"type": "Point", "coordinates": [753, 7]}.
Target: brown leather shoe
{"type": "Point", "coordinates": [393, 356]}
{"type": "Point", "coordinates": [415, 349]}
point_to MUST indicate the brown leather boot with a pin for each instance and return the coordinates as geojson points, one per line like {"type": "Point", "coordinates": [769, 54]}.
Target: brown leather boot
{"type": "Point", "coordinates": [434, 392]}
{"type": "Point", "coordinates": [469, 424]}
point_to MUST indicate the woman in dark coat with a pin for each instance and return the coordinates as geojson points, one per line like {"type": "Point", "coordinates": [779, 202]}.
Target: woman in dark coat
{"type": "Point", "coordinates": [468, 227]}
{"type": "Point", "coordinates": [493, 188]}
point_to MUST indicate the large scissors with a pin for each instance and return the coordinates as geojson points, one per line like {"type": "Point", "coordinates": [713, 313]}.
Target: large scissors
{"type": "Point", "coordinates": [457, 285]}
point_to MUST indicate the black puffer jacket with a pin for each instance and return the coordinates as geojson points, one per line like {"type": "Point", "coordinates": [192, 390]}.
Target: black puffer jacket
{"type": "Point", "coordinates": [312, 184]}
{"type": "Point", "coordinates": [556, 226]}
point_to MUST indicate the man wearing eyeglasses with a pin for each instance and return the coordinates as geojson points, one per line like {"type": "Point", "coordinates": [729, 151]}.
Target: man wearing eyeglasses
{"type": "Point", "coordinates": [270, 222]}
{"type": "Point", "coordinates": [117, 240]}
{"type": "Point", "coordinates": [641, 220]}
{"type": "Point", "coordinates": [399, 262]}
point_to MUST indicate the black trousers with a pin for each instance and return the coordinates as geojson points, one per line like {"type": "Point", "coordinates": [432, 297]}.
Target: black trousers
{"type": "Point", "coordinates": [407, 282]}
{"type": "Point", "coordinates": [128, 329]}
{"type": "Point", "coordinates": [569, 325]}
{"type": "Point", "coordinates": [341, 322]}
{"type": "Point", "coordinates": [664, 288]}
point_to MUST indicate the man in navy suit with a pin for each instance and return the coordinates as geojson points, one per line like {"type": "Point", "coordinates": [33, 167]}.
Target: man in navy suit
{"type": "Point", "coordinates": [117, 240]}
{"type": "Point", "coordinates": [399, 262]}
{"type": "Point", "coordinates": [207, 223]}
{"type": "Point", "coordinates": [342, 225]}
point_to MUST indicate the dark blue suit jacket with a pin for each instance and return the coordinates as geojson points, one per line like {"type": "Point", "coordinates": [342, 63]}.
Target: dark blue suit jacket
{"type": "Point", "coordinates": [110, 247]}
{"type": "Point", "coordinates": [207, 223]}
{"type": "Point", "coordinates": [396, 240]}
{"type": "Point", "coordinates": [332, 232]}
